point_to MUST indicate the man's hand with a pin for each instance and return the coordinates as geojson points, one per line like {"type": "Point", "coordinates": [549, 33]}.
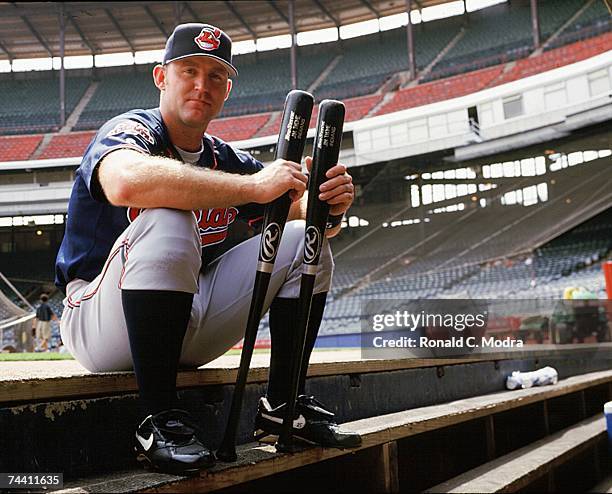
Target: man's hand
{"type": "Point", "coordinates": [276, 179]}
{"type": "Point", "coordinates": [338, 190]}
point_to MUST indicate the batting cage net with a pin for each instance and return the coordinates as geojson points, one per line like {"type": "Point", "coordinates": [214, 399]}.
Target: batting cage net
{"type": "Point", "coordinates": [16, 316]}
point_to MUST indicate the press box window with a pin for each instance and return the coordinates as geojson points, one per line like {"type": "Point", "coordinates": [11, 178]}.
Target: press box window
{"type": "Point", "coordinates": [513, 106]}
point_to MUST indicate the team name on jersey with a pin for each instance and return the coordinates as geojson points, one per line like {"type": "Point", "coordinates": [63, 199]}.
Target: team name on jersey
{"type": "Point", "coordinates": [130, 127]}
{"type": "Point", "coordinates": [212, 223]}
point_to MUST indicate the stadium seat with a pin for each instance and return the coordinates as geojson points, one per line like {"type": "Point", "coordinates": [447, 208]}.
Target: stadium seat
{"type": "Point", "coordinates": [593, 21]}
{"type": "Point", "coordinates": [32, 104]}
{"type": "Point", "coordinates": [432, 92]}
{"type": "Point", "coordinates": [369, 60]}
{"type": "Point", "coordinates": [17, 148]}
{"type": "Point", "coordinates": [67, 145]}
{"type": "Point", "coordinates": [237, 128]}
{"type": "Point", "coordinates": [558, 57]}
{"type": "Point", "coordinates": [502, 33]}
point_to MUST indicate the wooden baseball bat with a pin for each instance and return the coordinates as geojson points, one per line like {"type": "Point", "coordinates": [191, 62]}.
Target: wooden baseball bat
{"type": "Point", "coordinates": [326, 150]}
{"type": "Point", "coordinates": [290, 146]}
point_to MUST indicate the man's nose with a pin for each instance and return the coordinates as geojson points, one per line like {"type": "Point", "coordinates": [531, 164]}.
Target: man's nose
{"type": "Point", "coordinates": [200, 84]}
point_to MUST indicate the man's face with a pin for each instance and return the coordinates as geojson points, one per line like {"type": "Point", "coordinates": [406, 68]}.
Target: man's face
{"type": "Point", "coordinates": [193, 90]}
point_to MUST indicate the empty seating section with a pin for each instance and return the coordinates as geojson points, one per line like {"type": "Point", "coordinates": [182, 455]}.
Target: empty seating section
{"type": "Point", "coordinates": [118, 93]}
{"type": "Point", "coordinates": [501, 34]}
{"type": "Point", "coordinates": [558, 57]}
{"type": "Point", "coordinates": [238, 128]}
{"type": "Point", "coordinates": [272, 126]}
{"type": "Point", "coordinates": [357, 108]}
{"type": "Point", "coordinates": [264, 78]}
{"type": "Point", "coordinates": [32, 105]}
{"type": "Point", "coordinates": [67, 145]}
{"type": "Point", "coordinates": [495, 35]}
{"type": "Point", "coordinates": [367, 61]}
{"type": "Point", "coordinates": [443, 271]}
{"type": "Point", "coordinates": [593, 21]}
{"type": "Point", "coordinates": [16, 148]}
{"type": "Point", "coordinates": [434, 91]}
{"type": "Point", "coordinates": [490, 37]}
{"type": "Point", "coordinates": [553, 14]}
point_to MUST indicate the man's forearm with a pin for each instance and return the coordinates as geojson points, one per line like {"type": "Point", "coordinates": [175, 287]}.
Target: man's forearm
{"type": "Point", "coordinates": [129, 178]}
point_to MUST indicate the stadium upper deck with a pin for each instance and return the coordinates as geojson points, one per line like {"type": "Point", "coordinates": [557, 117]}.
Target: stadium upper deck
{"type": "Point", "coordinates": [371, 65]}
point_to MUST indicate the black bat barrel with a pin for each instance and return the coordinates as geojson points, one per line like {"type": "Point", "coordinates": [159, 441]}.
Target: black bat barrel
{"type": "Point", "coordinates": [327, 142]}
{"type": "Point", "coordinates": [290, 146]}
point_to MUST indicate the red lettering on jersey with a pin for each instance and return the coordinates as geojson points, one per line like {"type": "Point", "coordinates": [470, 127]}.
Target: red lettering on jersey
{"type": "Point", "coordinates": [212, 223]}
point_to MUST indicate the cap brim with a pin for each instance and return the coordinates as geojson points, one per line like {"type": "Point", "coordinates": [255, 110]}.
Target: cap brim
{"type": "Point", "coordinates": [229, 67]}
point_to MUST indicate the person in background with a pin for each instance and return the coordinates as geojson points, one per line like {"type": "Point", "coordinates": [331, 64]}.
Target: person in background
{"type": "Point", "coordinates": [42, 324]}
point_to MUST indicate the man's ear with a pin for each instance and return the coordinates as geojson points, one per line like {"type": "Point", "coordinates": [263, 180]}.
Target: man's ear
{"type": "Point", "coordinates": [159, 77]}
{"type": "Point", "coordinates": [229, 89]}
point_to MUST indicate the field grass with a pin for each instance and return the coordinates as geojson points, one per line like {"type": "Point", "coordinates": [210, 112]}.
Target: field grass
{"type": "Point", "coordinates": [13, 357]}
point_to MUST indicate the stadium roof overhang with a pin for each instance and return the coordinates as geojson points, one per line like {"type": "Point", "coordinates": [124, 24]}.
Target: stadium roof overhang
{"type": "Point", "coordinates": [32, 29]}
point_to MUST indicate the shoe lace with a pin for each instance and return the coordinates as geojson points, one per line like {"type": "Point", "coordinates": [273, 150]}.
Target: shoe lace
{"type": "Point", "coordinates": [311, 400]}
{"type": "Point", "coordinates": [322, 415]}
{"type": "Point", "coordinates": [176, 426]}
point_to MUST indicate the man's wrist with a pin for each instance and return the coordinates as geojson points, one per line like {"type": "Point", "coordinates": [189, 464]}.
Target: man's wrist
{"type": "Point", "coordinates": [247, 188]}
{"type": "Point", "coordinates": [333, 220]}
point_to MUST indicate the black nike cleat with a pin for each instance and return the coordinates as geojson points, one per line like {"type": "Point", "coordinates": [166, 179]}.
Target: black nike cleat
{"type": "Point", "coordinates": [168, 441]}
{"type": "Point", "coordinates": [313, 424]}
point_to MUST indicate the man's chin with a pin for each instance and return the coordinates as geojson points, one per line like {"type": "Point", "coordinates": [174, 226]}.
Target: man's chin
{"type": "Point", "coordinates": [197, 121]}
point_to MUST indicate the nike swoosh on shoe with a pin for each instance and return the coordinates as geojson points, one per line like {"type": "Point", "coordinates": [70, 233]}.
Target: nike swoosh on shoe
{"type": "Point", "coordinates": [146, 443]}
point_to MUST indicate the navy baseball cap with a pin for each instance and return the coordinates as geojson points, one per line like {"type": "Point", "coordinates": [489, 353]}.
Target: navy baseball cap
{"type": "Point", "coordinates": [195, 39]}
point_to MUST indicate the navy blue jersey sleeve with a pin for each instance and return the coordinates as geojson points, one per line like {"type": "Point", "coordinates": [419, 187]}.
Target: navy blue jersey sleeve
{"type": "Point", "coordinates": [118, 133]}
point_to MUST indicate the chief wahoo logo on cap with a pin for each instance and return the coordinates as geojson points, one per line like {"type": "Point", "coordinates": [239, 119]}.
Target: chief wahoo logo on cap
{"type": "Point", "coordinates": [208, 39]}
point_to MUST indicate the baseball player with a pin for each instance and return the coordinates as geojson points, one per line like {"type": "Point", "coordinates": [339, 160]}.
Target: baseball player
{"type": "Point", "coordinates": [146, 286]}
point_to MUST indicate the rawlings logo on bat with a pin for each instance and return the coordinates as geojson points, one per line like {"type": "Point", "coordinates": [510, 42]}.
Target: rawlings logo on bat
{"type": "Point", "coordinates": [312, 245]}
{"type": "Point", "coordinates": [271, 239]}
{"type": "Point", "coordinates": [212, 223]}
{"type": "Point", "coordinates": [209, 38]}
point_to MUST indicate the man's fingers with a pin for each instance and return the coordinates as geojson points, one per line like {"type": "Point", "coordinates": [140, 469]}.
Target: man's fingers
{"type": "Point", "coordinates": [291, 164]}
{"type": "Point", "coordinates": [299, 183]}
{"type": "Point", "coordinates": [301, 176]}
{"type": "Point", "coordinates": [346, 188]}
{"type": "Point", "coordinates": [341, 199]}
{"type": "Point", "coordinates": [335, 182]}
{"type": "Point", "coordinates": [335, 171]}
{"type": "Point", "coordinates": [308, 161]}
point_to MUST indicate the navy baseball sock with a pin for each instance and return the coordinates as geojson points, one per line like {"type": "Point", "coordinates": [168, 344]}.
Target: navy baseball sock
{"type": "Point", "coordinates": [156, 321]}
{"type": "Point", "coordinates": [283, 328]}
